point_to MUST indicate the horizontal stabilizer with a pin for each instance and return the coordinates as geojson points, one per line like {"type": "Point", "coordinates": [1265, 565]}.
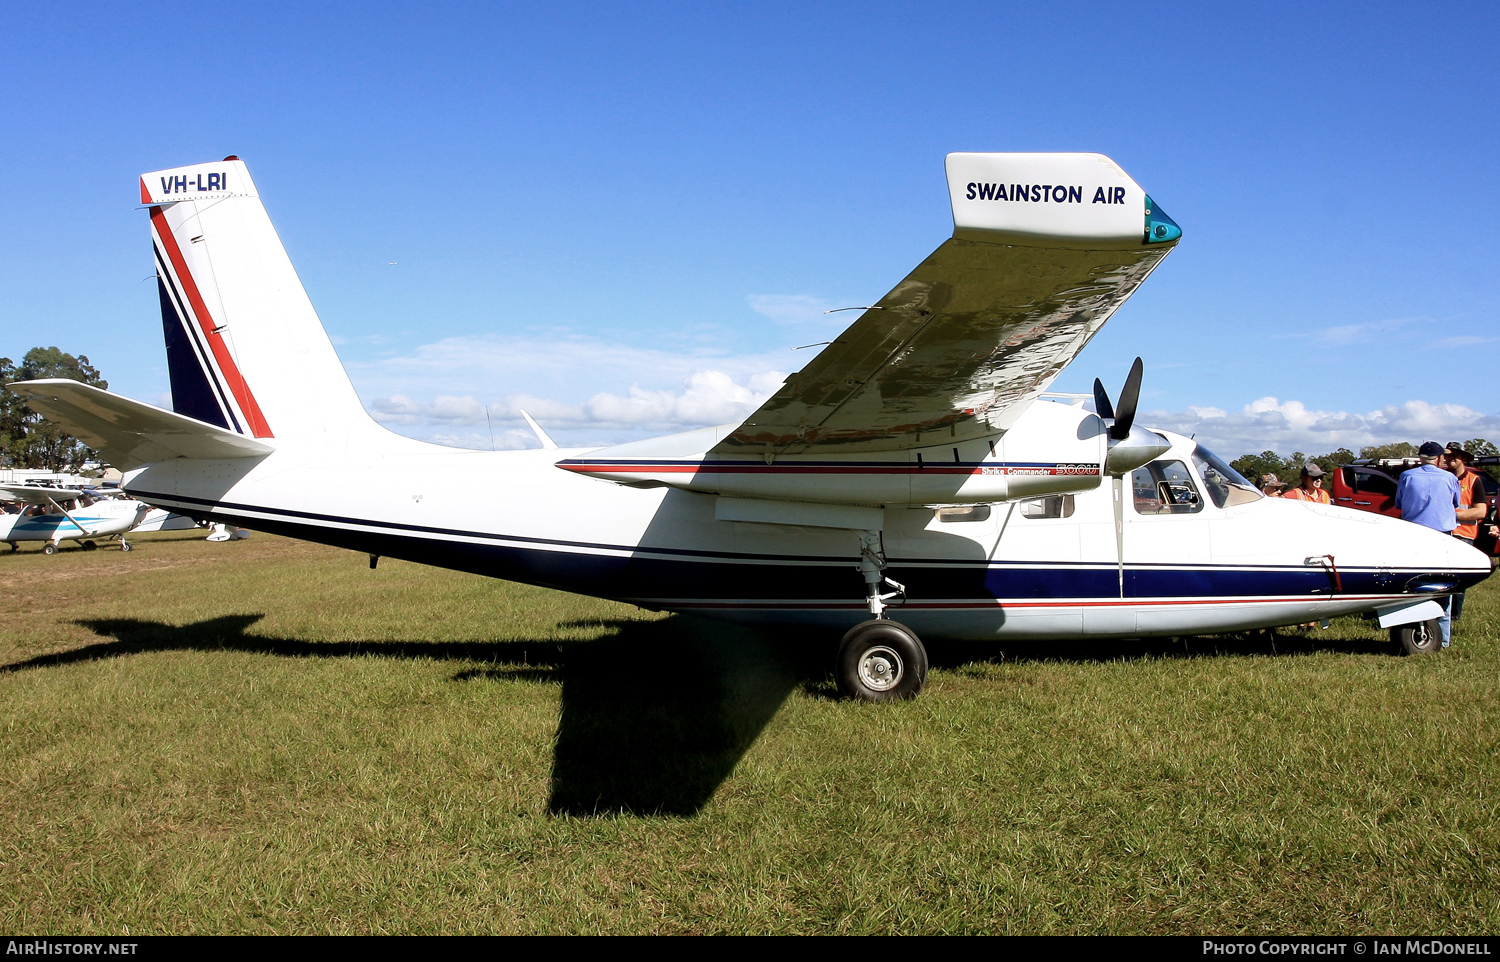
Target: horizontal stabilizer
{"type": "Point", "coordinates": [127, 433]}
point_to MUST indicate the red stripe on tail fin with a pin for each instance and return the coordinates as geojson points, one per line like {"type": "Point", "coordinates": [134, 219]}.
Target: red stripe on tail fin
{"type": "Point", "coordinates": [254, 419]}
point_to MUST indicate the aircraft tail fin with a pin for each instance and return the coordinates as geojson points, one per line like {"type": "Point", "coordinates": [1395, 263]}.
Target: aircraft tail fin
{"type": "Point", "coordinates": [245, 349]}
{"type": "Point", "coordinates": [128, 433]}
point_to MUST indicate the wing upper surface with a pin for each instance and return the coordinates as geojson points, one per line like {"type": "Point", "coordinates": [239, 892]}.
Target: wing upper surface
{"type": "Point", "coordinates": [982, 326]}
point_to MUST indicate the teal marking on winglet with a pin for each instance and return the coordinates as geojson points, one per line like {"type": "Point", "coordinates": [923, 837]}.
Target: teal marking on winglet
{"type": "Point", "coordinates": [1160, 229]}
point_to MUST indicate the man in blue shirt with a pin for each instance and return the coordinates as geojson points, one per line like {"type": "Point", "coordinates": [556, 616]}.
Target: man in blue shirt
{"type": "Point", "coordinates": [1429, 496]}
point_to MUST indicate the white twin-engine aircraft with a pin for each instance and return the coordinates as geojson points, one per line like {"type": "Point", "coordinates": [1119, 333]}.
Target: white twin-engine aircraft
{"type": "Point", "coordinates": [912, 470]}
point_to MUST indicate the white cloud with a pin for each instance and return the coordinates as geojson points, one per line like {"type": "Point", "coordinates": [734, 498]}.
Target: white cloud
{"type": "Point", "coordinates": [1343, 335]}
{"type": "Point", "coordinates": [588, 391]}
{"type": "Point", "coordinates": [800, 309]}
{"type": "Point", "coordinates": [582, 390]}
{"type": "Point", "coordinates": [1270, 424]}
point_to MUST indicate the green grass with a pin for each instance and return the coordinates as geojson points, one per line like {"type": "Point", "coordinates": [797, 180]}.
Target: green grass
{"type": "Point", "coordinates": [268, 737]}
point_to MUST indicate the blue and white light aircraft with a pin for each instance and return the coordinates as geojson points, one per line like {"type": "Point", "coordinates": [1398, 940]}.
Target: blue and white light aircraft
{"type": "Point", "coordinates": [55, 515]}
{"type": "Point", "coordinates": [911, 479]}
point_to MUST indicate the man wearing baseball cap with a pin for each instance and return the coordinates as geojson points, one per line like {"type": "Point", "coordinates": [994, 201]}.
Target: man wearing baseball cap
{"type": "Point", "coordinates": [1311, 488]}
{"type": "Point", "coordinates": [1271, 485]}
{"type": "Point", "coordinates": [1472, 506]}
{"type": "Point", "coordinates": [1429, 496]}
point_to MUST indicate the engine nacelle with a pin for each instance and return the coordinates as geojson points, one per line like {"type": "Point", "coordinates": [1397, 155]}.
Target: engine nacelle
{"type": "Point", "coordinates": [1052, 449]}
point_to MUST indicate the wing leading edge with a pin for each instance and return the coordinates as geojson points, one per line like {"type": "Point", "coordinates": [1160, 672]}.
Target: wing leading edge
{"type": "Point", "coordinates": [1045, 248]}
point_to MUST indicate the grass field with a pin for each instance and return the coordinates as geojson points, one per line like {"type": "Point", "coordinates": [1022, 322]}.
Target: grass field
{"type": "Point", "coordinates": [268, 737]}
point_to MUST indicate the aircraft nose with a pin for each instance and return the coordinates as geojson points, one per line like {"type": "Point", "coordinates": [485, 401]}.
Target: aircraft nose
{"type": "Point", "coordinates": [1450, 564]}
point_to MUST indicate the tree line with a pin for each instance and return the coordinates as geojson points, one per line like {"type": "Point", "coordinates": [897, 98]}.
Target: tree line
{"type": "Point", "coordinates": [28, 441]}
{"type": "Point", "coordinates": [1288, 469]}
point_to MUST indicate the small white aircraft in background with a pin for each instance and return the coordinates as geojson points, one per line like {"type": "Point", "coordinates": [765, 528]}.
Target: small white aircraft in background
{"type": "Point", "coordinates": [54, 515]}
{"type": "Point", "coordinates": [158, 520]}
{"type": "Point", "coordinates": [912, 467]}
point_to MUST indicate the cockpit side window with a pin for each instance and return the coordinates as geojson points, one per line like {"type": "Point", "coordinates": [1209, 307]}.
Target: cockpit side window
{"type": "Point", "coordinates": [1164, 487]}
{"type": "Point", "coordinates": [1226, 486]}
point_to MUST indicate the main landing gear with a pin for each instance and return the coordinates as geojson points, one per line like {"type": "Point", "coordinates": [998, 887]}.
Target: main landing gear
{"type": "Point", "coordinates": [880, 659]}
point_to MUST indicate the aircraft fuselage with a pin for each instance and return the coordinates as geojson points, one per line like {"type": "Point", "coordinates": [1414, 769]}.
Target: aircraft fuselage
{"type": "Point", "coordinates": [1050, 566]}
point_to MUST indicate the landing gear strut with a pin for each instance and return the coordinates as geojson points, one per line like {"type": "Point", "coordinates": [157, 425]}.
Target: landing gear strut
{"type": "Point", "coordinates": [880, 659]}
{"type": "Point", "coordinates": [872, 566]}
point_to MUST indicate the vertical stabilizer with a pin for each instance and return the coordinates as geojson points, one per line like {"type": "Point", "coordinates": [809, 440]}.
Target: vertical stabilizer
{"type": "Point", "coordinates": [245, 349]}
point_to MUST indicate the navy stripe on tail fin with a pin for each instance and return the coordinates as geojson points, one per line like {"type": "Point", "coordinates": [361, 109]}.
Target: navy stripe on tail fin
{"type": "Point", "coordinates": [192, 395]}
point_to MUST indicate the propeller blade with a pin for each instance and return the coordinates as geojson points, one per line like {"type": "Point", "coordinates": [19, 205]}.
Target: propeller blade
{"type": "Point", "coordinates": [1102, 407]}
{"type": "Point", "coordinates": [1130, 394]}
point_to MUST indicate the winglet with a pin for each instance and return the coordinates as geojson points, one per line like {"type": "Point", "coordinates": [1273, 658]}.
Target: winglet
{"type": "Point", "coordinates": [1082, 201]}
{"type": "Point", "coordinates": [547, 443]}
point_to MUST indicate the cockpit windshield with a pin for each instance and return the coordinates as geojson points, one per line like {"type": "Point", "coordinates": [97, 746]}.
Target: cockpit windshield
{"type": "Point", "coordinates": [1226, 488]}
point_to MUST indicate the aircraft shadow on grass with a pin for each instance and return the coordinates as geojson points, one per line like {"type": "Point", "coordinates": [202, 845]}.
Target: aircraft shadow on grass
{"type": "Point", "coordinates": [655, 716]}
{"type": "Point", "coordinates": [653, 719]}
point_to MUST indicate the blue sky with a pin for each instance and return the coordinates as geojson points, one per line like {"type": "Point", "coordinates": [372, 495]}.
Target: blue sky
{"type": "Point", "coordinates": [622, 216]}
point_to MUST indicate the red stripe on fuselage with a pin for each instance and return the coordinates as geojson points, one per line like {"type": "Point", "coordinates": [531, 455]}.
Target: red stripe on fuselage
{"type": "Point", "coordinates": [254, 419]}
{"type": "Point", "coordinates": [1002, 604]}
{"type": "Point", "coordinates": [989, 470]}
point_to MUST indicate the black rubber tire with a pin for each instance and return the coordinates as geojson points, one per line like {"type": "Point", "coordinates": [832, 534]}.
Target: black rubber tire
{"type": "Point", "coordinates": [126, 546]}
{"type": "Point", "coordinates": [89, 546]}
{"type": "Point", "coordinates": [49, 548]}
{"type": "Point", "coordinates": [1419, 638]}
{"type": "Point", "coordinates": [881, 660]}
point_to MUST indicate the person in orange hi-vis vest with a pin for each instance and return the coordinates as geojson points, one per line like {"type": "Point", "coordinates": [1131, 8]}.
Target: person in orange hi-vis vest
{"type": "Point", "coordinates": [1311, 488]}
{"type": "Point", "coordinates": [1472, 506]}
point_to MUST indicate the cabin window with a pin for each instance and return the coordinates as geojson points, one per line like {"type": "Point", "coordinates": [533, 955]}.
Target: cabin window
{"type": "Point", "coordinates": [967, 512]}
{"type": "Point", "coordinates": [1164, 487]}
{"type": "Point", "coordinates": [1058, 506]}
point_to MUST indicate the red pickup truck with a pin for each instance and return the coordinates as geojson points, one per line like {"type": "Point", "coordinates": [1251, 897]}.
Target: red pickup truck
{"type": "Point", "coordinates": [1370, 485]}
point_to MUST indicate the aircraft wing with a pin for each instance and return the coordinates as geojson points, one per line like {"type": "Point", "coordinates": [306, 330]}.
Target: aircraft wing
{"type": "Point", "coordinates": [1045, 247]}
{"type": "Point", "coordinates": [36, 494]}
{"type": "Point", "coordinates": [128, 433]}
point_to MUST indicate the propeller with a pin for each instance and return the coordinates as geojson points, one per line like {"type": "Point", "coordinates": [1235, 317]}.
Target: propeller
{"type": "Point", "coordinates": [1128, 448]}
{"type": "Point", "coordinates": [1130, 395]}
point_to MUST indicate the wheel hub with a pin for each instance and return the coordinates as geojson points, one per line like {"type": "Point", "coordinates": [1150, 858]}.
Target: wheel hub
{"type": "Point", "coordinates": [881, 668]}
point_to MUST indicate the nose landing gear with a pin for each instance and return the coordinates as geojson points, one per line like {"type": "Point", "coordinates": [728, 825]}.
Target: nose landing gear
{"type": "Point", "coordinates": [1421, 638]}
